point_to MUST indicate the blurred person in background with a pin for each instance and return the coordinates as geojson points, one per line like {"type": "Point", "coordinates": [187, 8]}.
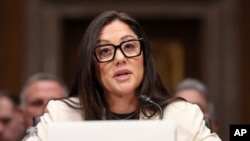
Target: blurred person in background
{"type": "Point", "coordinates": [195, 92]}
{"type": "Point", "coordinates": [37, 91]}
{"type": "Point", "coordinates": [11, 120]}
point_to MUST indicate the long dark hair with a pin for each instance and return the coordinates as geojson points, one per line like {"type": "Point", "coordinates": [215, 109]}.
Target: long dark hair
{"type": "Point", "coordinates": [86, 85]}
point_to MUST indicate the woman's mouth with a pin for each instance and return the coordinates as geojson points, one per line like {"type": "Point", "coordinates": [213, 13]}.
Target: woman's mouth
{"type": "Point", "coordinates": [122, 75]}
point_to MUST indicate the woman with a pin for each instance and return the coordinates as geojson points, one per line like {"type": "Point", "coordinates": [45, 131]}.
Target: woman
{"type": "Point", "coordinates": [115, 68]}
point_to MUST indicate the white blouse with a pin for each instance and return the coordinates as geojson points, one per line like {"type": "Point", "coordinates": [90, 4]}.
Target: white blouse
{"type": "Point", "coordinates": [187, 117]}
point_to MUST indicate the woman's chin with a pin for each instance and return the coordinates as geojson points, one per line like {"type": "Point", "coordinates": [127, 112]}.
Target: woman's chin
{"type": "Point", "coordinates": [124, 92]}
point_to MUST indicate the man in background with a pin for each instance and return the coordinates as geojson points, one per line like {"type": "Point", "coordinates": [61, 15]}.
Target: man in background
{"type": "Point", "coordinates": [37, 91]}
{"type": "Point", "coordinates": [195, 92]}
{"type": "Point", "coordinates": [11, 120]}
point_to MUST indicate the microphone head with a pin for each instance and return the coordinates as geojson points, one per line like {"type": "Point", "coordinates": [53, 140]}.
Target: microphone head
{"type": "Point", "coordinates": [144, 99]}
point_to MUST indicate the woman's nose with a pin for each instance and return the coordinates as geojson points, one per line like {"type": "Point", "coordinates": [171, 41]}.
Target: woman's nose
{"type": "Point", "coordinates": [119, 56]}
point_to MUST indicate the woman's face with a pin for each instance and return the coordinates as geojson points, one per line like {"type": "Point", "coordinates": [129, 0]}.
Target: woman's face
{"type": "Point", "coordinates": [122, 75]}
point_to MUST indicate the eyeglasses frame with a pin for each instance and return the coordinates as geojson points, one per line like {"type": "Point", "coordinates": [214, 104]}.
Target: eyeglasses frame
{"type": "Point", "coordinates": [119, 47]}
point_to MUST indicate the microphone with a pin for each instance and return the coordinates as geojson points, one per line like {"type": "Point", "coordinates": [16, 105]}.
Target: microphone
{"type": "Point", "coordinates": [146, 99]}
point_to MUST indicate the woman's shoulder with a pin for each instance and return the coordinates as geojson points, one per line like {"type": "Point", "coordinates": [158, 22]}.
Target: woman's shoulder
{"type": "Point", "coordinates": [189, 122]}
{"type": "Point", "coordinates": [64, 108]}
{"type": "Point", "coordinates": [184, 114]}
{"type": "Point", "coordinates": [70, 100]}
{"type": "Point", "coordinates": [66, 103]}
{"type": "Point", "coordinates": [181, 106]}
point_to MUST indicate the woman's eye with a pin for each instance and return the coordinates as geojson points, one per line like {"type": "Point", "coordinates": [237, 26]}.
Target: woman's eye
{"type": "Point", "coordinates": [129, 46]}
{"type": "Point", "coordinates": [105, 51]}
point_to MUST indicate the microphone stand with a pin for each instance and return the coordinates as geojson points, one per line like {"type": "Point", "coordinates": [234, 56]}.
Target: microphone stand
{"type": "Point", "coordinates": [146, 99]}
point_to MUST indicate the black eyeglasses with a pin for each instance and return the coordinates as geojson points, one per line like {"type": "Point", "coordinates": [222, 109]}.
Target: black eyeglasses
{"type": "Point", "coordinates": [130, 49]}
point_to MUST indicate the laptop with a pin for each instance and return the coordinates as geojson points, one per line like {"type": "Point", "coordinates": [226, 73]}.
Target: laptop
{"type": "Point", "coordinates": [129, 130]}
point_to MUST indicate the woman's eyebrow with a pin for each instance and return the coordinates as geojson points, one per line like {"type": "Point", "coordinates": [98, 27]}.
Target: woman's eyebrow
{"type": "Point", "coordinates": [102, 41]}
{"type": "Point", "coordinates": [127, 36]}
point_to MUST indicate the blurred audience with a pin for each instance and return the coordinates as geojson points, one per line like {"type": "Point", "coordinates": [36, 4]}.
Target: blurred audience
{"type": "Point", "coordinates": [195, 92]}
{"type": "Point", "coordinates": [37, 91]}
{"type": "Point", "coordinates": [11, 120]}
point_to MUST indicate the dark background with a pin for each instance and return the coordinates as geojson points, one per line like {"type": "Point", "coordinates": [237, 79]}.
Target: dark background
{"type": "Point", "coordinates": [218, 55]}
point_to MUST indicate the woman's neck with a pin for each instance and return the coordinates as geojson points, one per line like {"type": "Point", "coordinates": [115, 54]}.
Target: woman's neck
{"type": "Point", "coordinates": [122, 104]}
